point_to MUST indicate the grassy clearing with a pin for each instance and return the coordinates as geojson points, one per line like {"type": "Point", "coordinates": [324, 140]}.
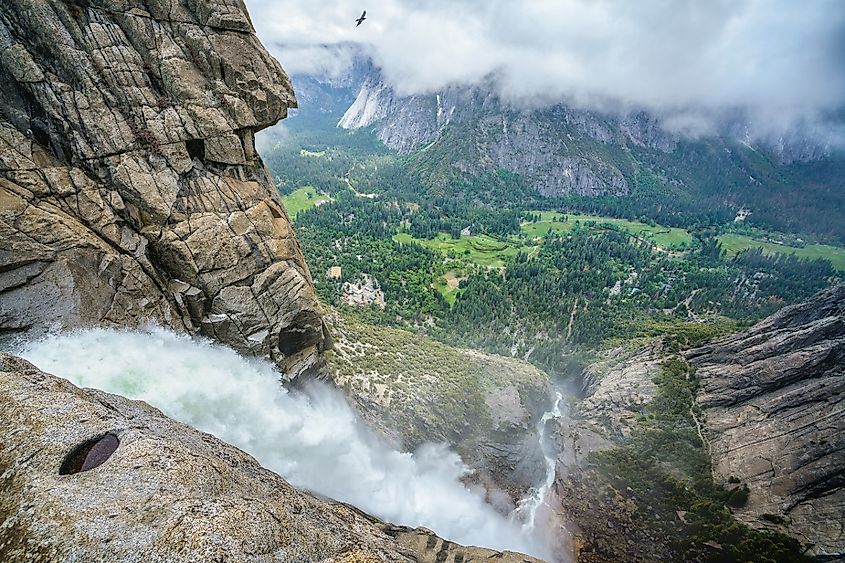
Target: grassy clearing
{"type": "Point", "coordinates": [734, 244]}
{"type": "Point", "coordinates": [543, 228]}
{"type": "Point", "coordinates": [482, 249]}
{"type": "Point", "coordinates": [493, 252]}
{"type": "Point", "coordinates": [669, 238]}
{"type": "Point", "coordinates": [447, 285]}
{"type": "Point", "coordinates": [303, 199]}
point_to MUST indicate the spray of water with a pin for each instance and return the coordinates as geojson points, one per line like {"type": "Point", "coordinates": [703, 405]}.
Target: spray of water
{"type": "Point", "coordinates": [312, 438]}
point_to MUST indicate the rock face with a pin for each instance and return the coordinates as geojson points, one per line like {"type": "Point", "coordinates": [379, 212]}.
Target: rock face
{"type": "Point", "coordinates": [518, 140]}
{"type": "Point", "coordinates": [601, 526]}
{"type": "Point", "coordinates": [130, 189]}
{"type": "Point", "coordinates": [329, 90]}
{"type": "Point", "coordinates": [615, 392]}
{"type": "Point", "coordinates": [774, 402]}
{"type": "Point", "coordinates": [167, 492]}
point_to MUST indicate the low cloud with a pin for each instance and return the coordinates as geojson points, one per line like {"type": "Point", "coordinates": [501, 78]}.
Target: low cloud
{"type": "Point", "coordinates": [778, 60]}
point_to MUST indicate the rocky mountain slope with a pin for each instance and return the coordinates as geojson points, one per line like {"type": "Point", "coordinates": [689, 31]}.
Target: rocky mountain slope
{"type": "Point", "coordinates": [495, 135]}
{"type": "Point", "coordinates": [774, 404]}
{"type": "Point", "coordinates": [416, 390]}
{"type": "Point", "coordinates": [463, 133]}
{"type": "Point", "coordinates": [536, 141]}
{"type": "Point", "coordinates": [615, 391]}
{"type": "Point", "coordinates": [598, 522]}
{"type": "Point", "coordinates": [333, 89]}
{"type": "Point", "coordinates": [761, 409]}
{"type": "Point", "coordinates": [130, 189]}
{"type": "Point", "coordinates": [415, 120]}
{"type": "Point", "coordinates": [89, 476]}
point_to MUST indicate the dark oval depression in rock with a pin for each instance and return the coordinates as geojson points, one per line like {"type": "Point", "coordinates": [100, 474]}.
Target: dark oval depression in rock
{"type": "Point", "coordinates": [90, 455]}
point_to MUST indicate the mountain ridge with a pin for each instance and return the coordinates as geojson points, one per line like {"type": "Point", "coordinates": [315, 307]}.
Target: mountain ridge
{"type": "Point", "coordinates": [601, 160]}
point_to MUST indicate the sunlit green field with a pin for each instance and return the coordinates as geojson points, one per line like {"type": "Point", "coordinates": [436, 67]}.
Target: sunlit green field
{"type": "Point", "coordinates": [482, 250]}
{"type": "Point", "coordinates": [491, 252]}
{"type": "Point", "coordinates": [734, 244]}
{"type": "Point", "coordinates": [302, 199]}
{"type": "Point", "coordinates": [669, 238]}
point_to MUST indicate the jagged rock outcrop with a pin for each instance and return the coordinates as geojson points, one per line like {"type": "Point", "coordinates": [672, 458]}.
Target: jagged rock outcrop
{"type": "Point", "coordinates": [167, 492]}
{"type": "Point", "coordinates": [130, 189]}
{"type": "Point", "coordinates": [774, 404]}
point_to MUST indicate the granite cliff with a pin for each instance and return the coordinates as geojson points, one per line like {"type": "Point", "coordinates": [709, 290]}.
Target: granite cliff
{"type": "Point", "coordinates": [130, 189]}
{"type": "Point", "coordinates": [773, 400]}
{"type": "Point", "coordinates": [131, 192]}
{"type": "Point", "coordinates": [476, 139]}
{"type": "Point", "coordinates": [485, 133]}
{"type": "Point", "coordinates": [560, 148]}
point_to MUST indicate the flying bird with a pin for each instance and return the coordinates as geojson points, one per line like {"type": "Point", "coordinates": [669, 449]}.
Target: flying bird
{"type": "Point", "coordinates": [362, 18]}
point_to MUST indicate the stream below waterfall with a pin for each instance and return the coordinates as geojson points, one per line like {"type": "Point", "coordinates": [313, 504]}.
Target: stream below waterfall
{"type": "Point", "coordinates": [312, 437]}
{"type": "Point", "coordinates": [526, 511]}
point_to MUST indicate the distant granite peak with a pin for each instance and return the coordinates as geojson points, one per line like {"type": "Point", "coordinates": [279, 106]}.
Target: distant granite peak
{"type": "Point", "coordinates": [568, 148]}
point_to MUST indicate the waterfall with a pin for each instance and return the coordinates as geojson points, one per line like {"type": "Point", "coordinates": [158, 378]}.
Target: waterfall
{"type": "Point", "coordinates": [528, 507]}
{"type": "Point", "coordinates": [312, 438]}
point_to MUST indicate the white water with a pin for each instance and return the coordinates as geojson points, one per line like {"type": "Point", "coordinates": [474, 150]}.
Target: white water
{"type": "Point", "coordinates": [311, 438]}
{"type": "Point", "coordinates": [528, 507]}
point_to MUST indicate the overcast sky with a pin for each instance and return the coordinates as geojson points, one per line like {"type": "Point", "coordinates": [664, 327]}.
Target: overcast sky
{"type": "Point", "coordinates": [778, 58]}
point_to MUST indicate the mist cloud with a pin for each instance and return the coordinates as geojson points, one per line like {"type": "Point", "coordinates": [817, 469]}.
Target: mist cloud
{"type": "Point", "coordinates": [775, 58]}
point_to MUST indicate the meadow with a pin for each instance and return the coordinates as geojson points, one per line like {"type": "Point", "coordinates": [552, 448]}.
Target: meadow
{"type": "Point", "coordinates": [733, 244]}
{"type": "Point", "coordinates": [667, 238]}
{"type": "Point", "coordinates": [482, 249]}
{"type": "Point", "coordinates": [302, 200]}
